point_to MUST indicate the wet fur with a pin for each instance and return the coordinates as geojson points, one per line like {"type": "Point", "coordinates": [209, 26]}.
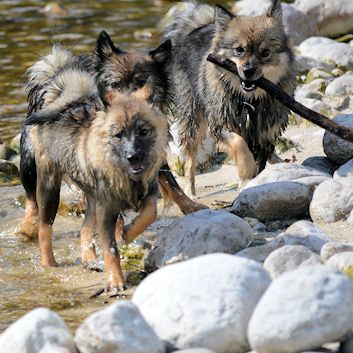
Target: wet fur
{"type": "Point", "coordinates": [204, 96]}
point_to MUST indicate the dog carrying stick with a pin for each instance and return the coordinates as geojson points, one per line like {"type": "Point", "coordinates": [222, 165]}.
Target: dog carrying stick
{"type": "Point", "coordinates": [316, 118]}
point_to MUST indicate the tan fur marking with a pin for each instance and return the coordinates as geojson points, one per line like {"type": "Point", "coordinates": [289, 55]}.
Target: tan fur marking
{"type": "Point", "coordinates": [45, 244]}
{"type": "Point", "coordinates": [29, 224]}
{"type": "Point", "coordinates": [113, 268]}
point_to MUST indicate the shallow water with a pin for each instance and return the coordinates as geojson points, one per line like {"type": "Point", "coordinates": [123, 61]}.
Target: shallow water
{"type": "Point", "coordinates": [25, 34]}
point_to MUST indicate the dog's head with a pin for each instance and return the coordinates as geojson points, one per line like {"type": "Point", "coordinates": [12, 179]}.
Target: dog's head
{"type": "Point", "coordinates": [121, 71]}
{"type": "Point", "coordinates": [137, 135]}
{"type": "Point", "coordinates": [258, 45]}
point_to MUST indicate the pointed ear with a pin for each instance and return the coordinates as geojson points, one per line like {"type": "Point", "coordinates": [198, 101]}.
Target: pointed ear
{"type": "Point", "coordinates": [222, 17]}
{"type": "Point", "coordinates": [105, 47]}
{"type": "Point", "coordinates": [275, 10]}
{"type": "Point", "coordinates": [146, 91]}
{"type": "Point", "coordinates": [162, 52]}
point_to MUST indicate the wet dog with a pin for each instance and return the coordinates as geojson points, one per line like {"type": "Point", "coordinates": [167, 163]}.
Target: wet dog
{"type": "Point", "coordinates": [244, 119]}
{"type": "Point", "coordinates": [113, 154]}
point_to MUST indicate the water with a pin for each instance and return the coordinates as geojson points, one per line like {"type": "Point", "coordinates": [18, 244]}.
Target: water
{"type": "Point", "coordinates": [26, 33]}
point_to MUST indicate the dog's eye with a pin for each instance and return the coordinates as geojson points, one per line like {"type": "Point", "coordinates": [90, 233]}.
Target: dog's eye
{"type": "Point", "coordinates": [140, 81]}
{"type": "Point", "coordinates": [119, 135]}
{"type": "Point", "coordinates": [239, 51]}
{"type": "Point", "coordinates": [265, 53]}
{"type": "Point", "coordinates": [143, 132]}
{"type": "Point", "coordinates": [116, 86]}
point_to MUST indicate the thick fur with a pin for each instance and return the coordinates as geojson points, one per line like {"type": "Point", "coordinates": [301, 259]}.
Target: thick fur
{"type": "Point", "coordinates": [114, 156]}
{"type": "Point", "coordinates": [204, 96]}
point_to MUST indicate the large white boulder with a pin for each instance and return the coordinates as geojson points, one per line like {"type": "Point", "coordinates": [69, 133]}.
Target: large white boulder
{"type": "Point", "coordinates": [203, 302]}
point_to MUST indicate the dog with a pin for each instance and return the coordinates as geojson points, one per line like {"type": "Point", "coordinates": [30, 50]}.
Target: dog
{"type": "Point", "coordinates": [244, 119]}
{"type": "Point", "coordinates": [112, 153]}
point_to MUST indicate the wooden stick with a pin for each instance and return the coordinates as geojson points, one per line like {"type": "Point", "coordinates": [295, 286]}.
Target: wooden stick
{"type": "Point", "coordinates": [316, 118]}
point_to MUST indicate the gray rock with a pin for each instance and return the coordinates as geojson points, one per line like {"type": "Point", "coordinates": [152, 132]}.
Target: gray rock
{"type": "Point", "coordinates": [341, 86]}
{"type": "Point", "coordinates": [328, 50]}
{"type": "Point", "coordinates": [196, 350]}
{"type": "Point", "coordinates": [15, 143]}
{"type": "Point", "coordinates": [315, 105]}
{"type": "Point", "coordinates": [8, 168]}
{"type": "Point", "coordinates": [333, 199]}
{"type": "Point", "coordinates": [297, 311]}
{"type": "Point", "coordinates": [40, 330]}
{"type": "Point", "coordinates": [342, 261]}
{"type": "Point", "coordinates": [336, 149]}
{"type": "Point", "coordinates": [119, 328]}
{"type": "Point", "coordinates": [332, 248]}
{"type": "Point", "coordinates": [199, 233]}
{"type": "Point", "coordinates": [272, 201]}
{"type": "Point", "coordinates": [305, 64]}
{"type": "Point", "coordinates": [323, 164]}
{"type": "Point", "coordinates": [288, 258]}
{"type": "Point", "coordinates": [296, 23]}
{"type": "Point", "coordinates": [312, 90]}
{"type": "Point", "coordinates": [6, 152]}
{"type": "Point", "coordinates": [331, 18]}
{"type": "Point", "coordinates": [213, 312]}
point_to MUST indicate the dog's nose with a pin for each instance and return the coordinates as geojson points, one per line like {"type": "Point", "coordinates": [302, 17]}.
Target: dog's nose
{"type": "Point", "coordinates": [249, 71]}
{"type": "Point", "coordinates": [133, 158]}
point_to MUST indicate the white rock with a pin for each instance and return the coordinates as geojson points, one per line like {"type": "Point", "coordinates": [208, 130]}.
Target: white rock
{"type": "Point", "coordinates": [311, 90]}
{"type": "Point", "coordinates": [332, 248]}
{"type": "Point", "coordinates": [333, 199]}
{"type": "Point", "coordinates": [288, 258]}
{"type": "Point", "coordinates": [331, 18]}
{"type": "Point", "coordinates": [297, 311]}
{"type": "Point", "coordinates": [342, 261]}
{"type": "Point", "coordinates": [341, 86]}
{"type": "Point", "coordinates": [273, 201]}
{"type": "Point", "coordinates": [336, 149]}
{"type": "Point", "coordinates": [40, 330]}
{"type": "Point", "coordinates": [199, 233]}
{"type": "Point", "coordinates": [296, 23]}
{"type": "Point", "coordinates": [119, 328]}
{"type": "Point", "coordinates": [315, 105]}
{"type": "Point", "coordinates": [328, 50]}
{"type": "Point", "coordinates": [305, 64]}
{"type": "Point", "coordinates": [203, 302]}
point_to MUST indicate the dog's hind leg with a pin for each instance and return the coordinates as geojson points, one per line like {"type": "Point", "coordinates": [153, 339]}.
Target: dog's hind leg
{"type": "Point", "coordinates": [238, 149]}
{"type": "Point", "coordinates": [88, 248]}
{"type": "Point", "coordinates": [146, 217]}
{"type": "Point", "coordinates": [48, 195]}
{"type": "Point", "coordinates": [190, 171]}
{"type": "Point", "coordinates": [171, 190]}
{"type": "Point", "coordinates": [28, 173]}
{"type": "Point", "coordinates": [106, 222]}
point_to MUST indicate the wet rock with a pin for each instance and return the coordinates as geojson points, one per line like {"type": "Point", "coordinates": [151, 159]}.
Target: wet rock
{"type": "Point", "coordinates": [15, 143]}
{"type": "Point", "coordinates": [342, 261]}
{"type": "Point", "coordinates": [332, 248]}
{"type": "Point", "coordinates": [296, 23]}
{"type": "Point", "coordinates": [6, 152]}
{"type": "Point", "coordinates": [288, 258]}
{"type": "Point", "coordinates": [119, 328]}
{"type": "Point", "coordinates": [331, 18]}
{"type": "Point", "coordinates": [199, 233]}
{"type": "Point", "coordinates": [299, 233]}
{"type": "Point", "coordinates": [328, 50]}
{"type": "Point", "coordinates": [336, 149]}
{"type": "Point", "coordinates": [41, 330]}
{"type": "Point", "coordinates": [297, 311]}
{"type": "Point", "coordinates": [224, 298]}
{"type": "Point", "coordinates": [272, 201]}
{"type": "Point", "coordinates": [341, 86]}
{"type": "Point", "coordinates": [323, 164]}
{"type": "Point", "coordinates": [333, 199]}
{"type": "Point", "coordinates": [8, 168]}
{"type": "Point", "coordinates": [72, 199]}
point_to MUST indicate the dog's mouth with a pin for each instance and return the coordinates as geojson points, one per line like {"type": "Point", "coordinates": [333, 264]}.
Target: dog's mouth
{"type": "Point", "coordinates": [248, 86]}
{"type": "Point", "coordinates": [136, 168]}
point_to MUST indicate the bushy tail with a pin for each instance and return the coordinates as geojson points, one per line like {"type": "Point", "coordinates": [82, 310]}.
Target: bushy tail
{"type": "Point", "coordinates": [183, 18]}
{"type": "Point", "coordinates": [57, 80]}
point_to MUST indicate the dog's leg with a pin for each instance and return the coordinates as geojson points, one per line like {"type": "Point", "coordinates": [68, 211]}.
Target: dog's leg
{"type": "Point", "coordinates": [106, 222]}
{"type": "Point", "coordinates": [88, 248]}
{"type": "Point", "coordinates": [48, 195]}
{"type": "Point", "coordinates": [28, 173]}
{"type": "Point", "coordinates": [146, 217]}
{"type": "Point", "coordinates": [171, 191]}
{"type": "Point", "coordinates": [238, 149]}
{"type": "Point", "coordinates": [190, 171]}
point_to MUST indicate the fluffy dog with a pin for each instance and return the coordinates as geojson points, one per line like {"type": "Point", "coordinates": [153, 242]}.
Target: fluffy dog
{"type": "Point", "coordinates": [244, 119]}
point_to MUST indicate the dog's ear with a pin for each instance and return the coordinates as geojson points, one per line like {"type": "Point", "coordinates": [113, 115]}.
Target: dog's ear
{"type": "Point", "coordinates": [162, 52]}
{"type": "Point", "coordinates": [275, 10]}
{"type": "Point", "coordinates": [105, 47]}
{"type": "Point", "coordinates": [146, 91]}
{"type": "Point", "coordinates": [222, 17]}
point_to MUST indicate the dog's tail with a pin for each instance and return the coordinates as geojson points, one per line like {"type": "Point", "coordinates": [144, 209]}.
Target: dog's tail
{"type": "Point", "coordinates": [185, 17]}
{"type": "Point", "coordinates": [57, 80]}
